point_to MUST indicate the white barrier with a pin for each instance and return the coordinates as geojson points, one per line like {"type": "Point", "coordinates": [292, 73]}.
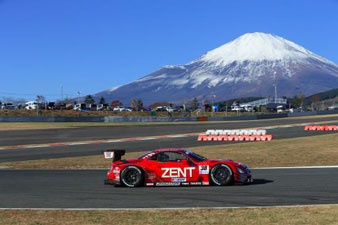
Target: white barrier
{"type": "Point", "coordinates": [236, 132]}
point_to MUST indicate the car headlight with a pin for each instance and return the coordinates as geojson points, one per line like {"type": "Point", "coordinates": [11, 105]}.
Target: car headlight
{"type": "Point", "coordinates": [240, 170]}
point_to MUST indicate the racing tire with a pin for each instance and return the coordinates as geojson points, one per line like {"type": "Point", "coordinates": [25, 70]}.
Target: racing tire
{"type": "Point", "coordinates": [221, 175]}
{"type": "Point", "coordinates": [132, 176]}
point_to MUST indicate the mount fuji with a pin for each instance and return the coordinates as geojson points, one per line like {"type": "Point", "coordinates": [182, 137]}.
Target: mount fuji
{"type": "Point", "coordinates": [247, 66]}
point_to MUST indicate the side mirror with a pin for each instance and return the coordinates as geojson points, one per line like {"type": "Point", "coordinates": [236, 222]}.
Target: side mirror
{"type": "Point", "coordinates": [191, 163]}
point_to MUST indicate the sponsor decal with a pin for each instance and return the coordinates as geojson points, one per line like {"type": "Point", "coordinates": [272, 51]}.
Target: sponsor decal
{"type": "Point", "coordinates": [195, 183]}
{"type": "Point", "coordinates": [203, 169]}
{"type": "Point", "coordinates": [178, 179]}
{"type": "Point", "coordinates": [180, 184]}
{"type": "Point", "coordinates": [168, 184]}
{"type": "Point", "coordinates": [108, 154]}
{"type": "Point", "coordinates": [149, 184]}
{"type": "Point", "coordinates": [149, 155]}
{"type": "Point", "coordinates": [177, 172]}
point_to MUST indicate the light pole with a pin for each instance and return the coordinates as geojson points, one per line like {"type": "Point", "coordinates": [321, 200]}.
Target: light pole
{"type": "Point", "coordinates": [78, 97]}
{"type": "Point", "coordinates": [275, 85]}
{"type": "Point", "coordinates": [212, 104]}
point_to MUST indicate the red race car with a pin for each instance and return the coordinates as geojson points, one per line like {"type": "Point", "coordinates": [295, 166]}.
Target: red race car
{"type": "Point", "coordinates": [174, 167]}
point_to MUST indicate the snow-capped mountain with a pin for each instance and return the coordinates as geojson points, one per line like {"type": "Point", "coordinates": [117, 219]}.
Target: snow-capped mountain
{"type": "Point", "coordinates": [247, 66]}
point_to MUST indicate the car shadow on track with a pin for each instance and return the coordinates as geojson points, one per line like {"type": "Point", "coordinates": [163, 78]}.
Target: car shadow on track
{"type": "Point", "coordinates": [255, 182]}
{"type": "Point", "coordinates": [260, 181]}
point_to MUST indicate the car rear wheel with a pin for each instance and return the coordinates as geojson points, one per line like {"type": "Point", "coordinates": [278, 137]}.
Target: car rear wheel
{"type": "Point", "coordinates": [132, 176]}
{"type": "Point", "coordinates": [221, 175]}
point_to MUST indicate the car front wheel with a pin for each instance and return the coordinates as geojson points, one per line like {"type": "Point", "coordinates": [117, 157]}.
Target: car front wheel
{"type": "Point", "coordinates": [132, 176]}
{"type": "Point", "coordinates": [221, 175]}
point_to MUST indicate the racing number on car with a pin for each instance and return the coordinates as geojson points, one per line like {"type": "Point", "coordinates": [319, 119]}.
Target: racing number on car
{"type": "Point", "coordinates": [203, 169]}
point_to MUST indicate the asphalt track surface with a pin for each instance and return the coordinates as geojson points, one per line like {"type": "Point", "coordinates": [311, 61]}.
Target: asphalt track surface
{"type": "Point", "coordinates": [97, 133]}
{"type": "Point", "coordinates": [21, 137]}
{"type": "Point", "coordinates": [85, 189]}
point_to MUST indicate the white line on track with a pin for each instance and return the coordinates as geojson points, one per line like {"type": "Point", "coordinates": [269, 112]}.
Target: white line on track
{"type": "Point", "coordinates": [77, 143]}
{"type": "Point", "coordinates": [37, 146]}
{"type": "Point", "coordinates": [147, 138]}
{"type": "Point", "coordinates": [111, 141]}
{"type": "Point", "coordinates": [176, 208]}
{"type": "Point", "coordinates": [178, 136]}
{"type": "Point", "coordinates": [295, 167]}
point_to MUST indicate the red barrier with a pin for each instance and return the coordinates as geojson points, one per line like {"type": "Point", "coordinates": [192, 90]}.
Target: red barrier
{"type": "Point", "coordinates": [321, 127]}
{"type": "Point", "coordinates": [307, 127]}
{"type": "Point", "coordinates": [267, 137]}
{"type": "Point", "coordinates": [204, 137]}
{"type": "Point", "coordinates": [332, 127]}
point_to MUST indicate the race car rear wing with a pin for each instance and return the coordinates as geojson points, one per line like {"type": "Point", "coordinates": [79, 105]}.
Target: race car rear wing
{"type": "Point", "coordinates": [115, 155]}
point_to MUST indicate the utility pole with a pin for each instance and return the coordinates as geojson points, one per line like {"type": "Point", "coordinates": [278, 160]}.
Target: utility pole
{"type": "Point", "coordinates": [61, 92]}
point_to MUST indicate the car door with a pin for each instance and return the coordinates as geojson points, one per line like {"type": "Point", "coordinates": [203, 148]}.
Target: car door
{"type": "Point", "coordinates": [175, 167]}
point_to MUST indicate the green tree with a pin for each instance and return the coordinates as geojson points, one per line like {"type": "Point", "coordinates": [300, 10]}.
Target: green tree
{"type": "Point", "coordinates": [301, 99]}
{"type": "Point", "coordinates": [133, 103]}
{"type": "Point", "coordinates": [315, 101]}
{"type": "Point", "coordinates": [295, 101]}
{"type": "Point", "coordinates": [139, 105]}
{"type": "Point", "coordinates": [102, 100]}
{"type": "Point", "coordinates": [194, 104]}
{"type": "Point", "coordinates": [221, 106]}
{"type": "Point", "coordinates": [89, 99]}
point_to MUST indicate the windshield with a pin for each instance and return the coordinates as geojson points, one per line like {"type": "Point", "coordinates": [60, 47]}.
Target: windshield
{"type": "Point", "coordinates": [195, 156]}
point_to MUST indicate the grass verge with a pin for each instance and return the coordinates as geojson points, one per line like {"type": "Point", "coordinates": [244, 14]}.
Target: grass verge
{"type": "Point", "coordinates": [321, 214]}
{"type": "Point", "coordinates": [303, 151]}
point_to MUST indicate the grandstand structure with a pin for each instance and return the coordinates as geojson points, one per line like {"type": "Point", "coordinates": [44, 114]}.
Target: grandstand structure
{"type": "Point", "coordinates": [266, 101]}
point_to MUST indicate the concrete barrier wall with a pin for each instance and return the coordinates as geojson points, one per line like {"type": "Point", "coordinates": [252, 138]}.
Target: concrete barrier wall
{"type": "Point", "coordinates": [154, 119]}
{"type": "Point", "coordinates": [272, 116]}
{"type": "Point", "coordinates": [310, 113]}
{"type": "Point", "coordinates": [295, 114]}
{"type": "Point", "coordinates": [50, 119]}
{"type": "Point", "coordinates": [147, 119]}
{"type": "Point", "coordinates": [327, 112]}
{"type": "Point", "coordinates": [231, 118]}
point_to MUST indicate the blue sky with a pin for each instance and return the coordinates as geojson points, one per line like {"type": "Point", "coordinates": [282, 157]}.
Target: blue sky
{"type": "Point", "coordinates": [92, 45]}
